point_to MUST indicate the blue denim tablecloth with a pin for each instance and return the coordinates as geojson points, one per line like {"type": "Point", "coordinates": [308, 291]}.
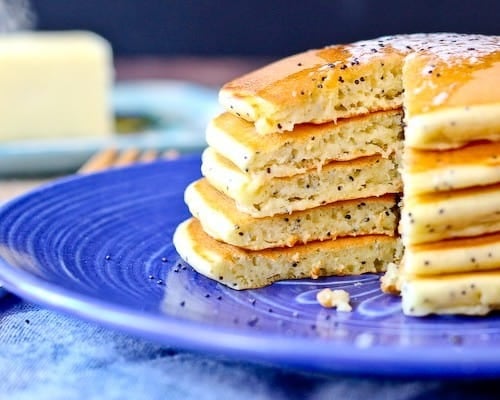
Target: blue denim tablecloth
{"type": "Point", "coordinates": [48, 355]}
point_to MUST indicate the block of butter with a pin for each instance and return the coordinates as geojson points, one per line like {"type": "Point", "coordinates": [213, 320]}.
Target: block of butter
{"type": "Point", "coordinates": [54, 85]}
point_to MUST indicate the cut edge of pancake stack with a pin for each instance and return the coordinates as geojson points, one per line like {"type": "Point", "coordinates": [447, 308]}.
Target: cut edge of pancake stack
{"type": "Point", "coordinates": [310, 198]}
{"type": "Point", "coordinates": [301, 173]}
{"type": "Point", "coordinates": [450, 219]}
{"type": "Point", "coordinates": [327, 215]}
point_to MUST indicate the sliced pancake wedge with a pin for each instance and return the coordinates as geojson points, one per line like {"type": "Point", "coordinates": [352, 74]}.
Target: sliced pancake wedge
{"type": "Point", "coordinates": [343, 180]}
{"type": "Point", "coordinates": [308, 146]}
{"type": "Point", "coordinates": [246, 269]}
{"type": "Point", "coordinates": [429, 171]}
{"type": "Point", "coordinates": [473, 293]}
{"type": "Point", "coordinates": [221, 219]}
{"type": "Point", "coordinates": [469, 254]}
{"type": "Point", "coordinates": [458, 213]}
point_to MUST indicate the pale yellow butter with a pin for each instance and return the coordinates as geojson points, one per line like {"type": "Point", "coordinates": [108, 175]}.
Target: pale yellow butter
{"type": "Point", "coordinates": [55, 84]}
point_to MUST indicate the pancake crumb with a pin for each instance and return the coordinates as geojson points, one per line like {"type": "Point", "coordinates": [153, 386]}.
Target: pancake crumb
{"type": "Point", "coordinates": [390, 281]}
{"type": "Point", "coordinates": [338, 298]}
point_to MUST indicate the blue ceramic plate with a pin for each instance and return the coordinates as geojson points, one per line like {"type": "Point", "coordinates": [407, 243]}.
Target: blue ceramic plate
{"type": "Point", "coordinates": [99, 247]}
{"type": "Point", "coordinates": [166, 109]}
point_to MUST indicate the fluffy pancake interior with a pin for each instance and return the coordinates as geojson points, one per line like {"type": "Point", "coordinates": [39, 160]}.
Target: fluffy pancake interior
{"type": "Point", "coordinates": [221, 219]}
{"type": "Point", "coordinates": [343, 180]}
{"type": "Point", "coordinates": [308, 146]}
{"type": "Point", "coordinates": [333, 84]}
{"type": "Point", "coordinates": [245, 269]}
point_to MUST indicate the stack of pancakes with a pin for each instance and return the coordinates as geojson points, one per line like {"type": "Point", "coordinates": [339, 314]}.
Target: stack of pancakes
{"type": "Point", "coordinates": [302, 170]}
{"type": "Point", "coordinates": [451, 214]}
{"type": "Point", "coordinates": [320, 199]}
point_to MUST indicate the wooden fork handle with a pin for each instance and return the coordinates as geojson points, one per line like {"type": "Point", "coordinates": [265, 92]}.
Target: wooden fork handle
{"type": "Point", "coordinates": [99, 161]}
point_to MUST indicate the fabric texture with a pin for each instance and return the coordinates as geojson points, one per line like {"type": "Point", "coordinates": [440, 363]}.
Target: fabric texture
{"type": "Point", "coordinates": [48, 355]}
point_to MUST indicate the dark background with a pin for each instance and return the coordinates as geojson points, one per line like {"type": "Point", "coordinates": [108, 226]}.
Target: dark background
{"type": "Point", "coordinates": [258, 27]}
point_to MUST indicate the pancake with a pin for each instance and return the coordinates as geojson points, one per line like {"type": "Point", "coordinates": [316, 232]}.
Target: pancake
{"type": "Point", "coordinates": [435, 171]}
{"type": "Point", "coordinates": [245, 269]}
{"type": "Point", "coordinates": [343, 81]}
{"type": "Point", "coordinates": [450, 96]}
{"type": "Point", "coordinates": [308, 146]}
{"type": "Point", "coordinates": [317, 86]}
{"type": "Point", "coordinates": [221, 219]}
{"type": "Point", "coordinates": [455, 255]}
{"type": "Point", "coordinates": [465, 212]}
{"type": "Point", "coordinates": [343, 180]}
{"type": "Point", "coordinates": [475, 293]}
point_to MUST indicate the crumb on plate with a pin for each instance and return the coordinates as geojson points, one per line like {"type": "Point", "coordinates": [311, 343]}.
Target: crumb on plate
{"type": "Point", "coordinates": [334, 298]}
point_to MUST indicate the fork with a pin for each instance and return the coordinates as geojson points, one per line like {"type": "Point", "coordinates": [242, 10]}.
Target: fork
{"type": "Point", "coordinates": [113, 158]}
